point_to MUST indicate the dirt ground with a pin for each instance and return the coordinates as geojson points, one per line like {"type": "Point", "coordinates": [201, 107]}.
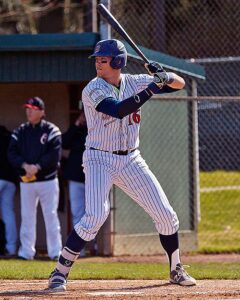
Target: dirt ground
{"type": "Point", "coordinates": [122, 289]}
{"type": "Point", "coordinates": [129, 289]}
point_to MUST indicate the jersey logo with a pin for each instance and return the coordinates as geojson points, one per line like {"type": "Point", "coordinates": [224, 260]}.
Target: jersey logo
{"type": "Point", "coordinates": [97, 96]}
{"type": "Point", "coordinates": [67, 263]}
{"type": "Point", "coordinates": [44, 138]}
{"type": "Point", "coordinates": [134, 117]}
{"type": "Point", "coordinates": [97, 48]}
{"type": "Point", "coordinates": [136, 98]}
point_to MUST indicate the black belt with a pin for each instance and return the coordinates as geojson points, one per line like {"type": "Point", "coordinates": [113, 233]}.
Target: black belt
{"type": "Point", "coordinates": [118, 152]}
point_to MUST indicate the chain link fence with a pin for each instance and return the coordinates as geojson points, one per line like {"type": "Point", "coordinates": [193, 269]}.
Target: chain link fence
{"type": "Point", "coordinates": [205, 32]}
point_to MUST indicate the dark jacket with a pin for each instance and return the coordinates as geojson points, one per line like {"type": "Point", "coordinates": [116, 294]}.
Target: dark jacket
{"type": "Point", "coordinates": [6, 170]}
{"type": "Point", "coordinates": [39, 144]}
{"type": "Point", "coordinates": [74, 140]}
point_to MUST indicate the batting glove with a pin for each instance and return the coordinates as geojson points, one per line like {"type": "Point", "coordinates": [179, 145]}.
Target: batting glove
{"type": "Point", "coordinates": [161, 79]}
{"type": "Point", "coordinates": [153, 68]}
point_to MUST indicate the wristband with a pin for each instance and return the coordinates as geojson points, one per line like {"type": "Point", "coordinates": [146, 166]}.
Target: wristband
{"type": "Point", "coordinates": [154, 88]}
{"type": "Point", "coordinates": [170, 78]}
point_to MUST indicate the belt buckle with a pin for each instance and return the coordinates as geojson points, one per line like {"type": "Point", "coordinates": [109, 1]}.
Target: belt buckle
{"type": "Point", "coordinates": [120, 152]}
{"type": "Point", "coordinates": [123, 152]}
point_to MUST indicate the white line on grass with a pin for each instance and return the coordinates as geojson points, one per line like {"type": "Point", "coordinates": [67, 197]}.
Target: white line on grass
{"type": "Point", "coordinates": [220, 188]}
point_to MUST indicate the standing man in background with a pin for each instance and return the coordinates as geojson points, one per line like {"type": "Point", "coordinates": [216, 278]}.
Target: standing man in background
{"type": "Point", "coordinates": [34, 151]}
{"type": "Point", "coordinates": [112, 103]}
{"type": "Point", "coordinates": [74, 140]}
{"type": "Point", "coordinates": [8, 181]}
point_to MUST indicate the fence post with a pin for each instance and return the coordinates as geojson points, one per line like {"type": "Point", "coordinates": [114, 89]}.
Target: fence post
{"type": "Point", "coordinates": [196, 189]}
{"type": "Point", "coordinates": [105, 243]}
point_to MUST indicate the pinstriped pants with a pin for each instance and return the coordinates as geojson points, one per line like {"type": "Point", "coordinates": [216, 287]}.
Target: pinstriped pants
{"type": "Point", "coordinates": [132, 175]}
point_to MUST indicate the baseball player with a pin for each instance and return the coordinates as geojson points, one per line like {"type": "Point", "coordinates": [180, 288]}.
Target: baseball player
{"type": "Point", "coordinates": [112, 103]}
{"type": "Point", "coordinates": [34, 151]}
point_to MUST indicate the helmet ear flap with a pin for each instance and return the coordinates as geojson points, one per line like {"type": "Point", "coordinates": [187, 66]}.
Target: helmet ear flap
{"type": "Point", "coordinates": [119, 61]}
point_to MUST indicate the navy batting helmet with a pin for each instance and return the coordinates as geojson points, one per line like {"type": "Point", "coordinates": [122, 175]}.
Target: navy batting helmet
{"type": "Point", "coordinates": [113, 48]}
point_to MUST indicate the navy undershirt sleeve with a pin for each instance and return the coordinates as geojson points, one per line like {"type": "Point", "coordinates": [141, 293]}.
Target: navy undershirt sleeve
{"type": "Point", "coordinates": [119, 109]}
{"type": "Point", "coordinates": [109, 106]}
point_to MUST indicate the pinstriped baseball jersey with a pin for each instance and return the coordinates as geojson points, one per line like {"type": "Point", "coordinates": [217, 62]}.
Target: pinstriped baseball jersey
{"type": "Point", "coordinates": [105, 132]}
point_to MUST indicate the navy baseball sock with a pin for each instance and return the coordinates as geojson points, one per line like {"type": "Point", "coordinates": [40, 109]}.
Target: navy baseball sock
{"type": "Point", "coordinates": [70, 252]}
{"type": "Point", "coordinates": [75, 242]}
{"type": "Point", "coordinates": [170, 244]}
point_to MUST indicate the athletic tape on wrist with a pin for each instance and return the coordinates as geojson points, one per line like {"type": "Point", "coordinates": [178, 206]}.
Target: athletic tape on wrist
{"type": "Point", "coordinates": [170, 79]}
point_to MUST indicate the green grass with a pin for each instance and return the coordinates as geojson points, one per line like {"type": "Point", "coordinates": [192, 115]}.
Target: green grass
{"type": "Point", "coordinates": [219, 229]}
{"type": "Point", "coordinates": [16, 269]}
{"type": "Point", "coordinates": [219, 178]}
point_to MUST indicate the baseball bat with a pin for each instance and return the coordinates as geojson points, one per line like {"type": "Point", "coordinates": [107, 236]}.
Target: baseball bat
{"type": "Point", "coordinates": [116, 25]}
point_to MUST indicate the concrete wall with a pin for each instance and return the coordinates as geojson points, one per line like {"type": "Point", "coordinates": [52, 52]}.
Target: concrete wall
{"type": "Point", "coordinates": [13, 96]}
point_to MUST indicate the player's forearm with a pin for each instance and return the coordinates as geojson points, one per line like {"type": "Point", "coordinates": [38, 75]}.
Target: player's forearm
{"type": "Point", "coordinates": [120, 109]}
{"type": "Point", "coordinates": [177, 82]}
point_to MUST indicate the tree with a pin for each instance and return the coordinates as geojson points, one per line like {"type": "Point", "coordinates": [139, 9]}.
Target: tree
{"type": "Point", "coordinates": [26, 16]}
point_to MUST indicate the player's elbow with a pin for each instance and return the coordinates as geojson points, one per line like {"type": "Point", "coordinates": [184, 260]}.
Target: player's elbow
{"type": "Point", "coordinates": [178, 82]}
{"type": "Point", "coordinates": [181, 83]}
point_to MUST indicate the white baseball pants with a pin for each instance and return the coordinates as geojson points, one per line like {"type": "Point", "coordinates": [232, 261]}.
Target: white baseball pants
{"type": "Point", "coordinates": [47, 192]}
{"type": "Point", "coordinates": [132, 175]}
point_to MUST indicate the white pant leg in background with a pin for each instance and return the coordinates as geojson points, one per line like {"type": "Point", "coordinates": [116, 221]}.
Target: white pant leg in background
{"type": "Point", "coordinates": [48, 192]}
{"type": "Point", "coordinates": [7, 192]}
{"type": "Point", "coordinates": [29, 201]}
{"type": "Point", "coordinates": [77, 200]}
